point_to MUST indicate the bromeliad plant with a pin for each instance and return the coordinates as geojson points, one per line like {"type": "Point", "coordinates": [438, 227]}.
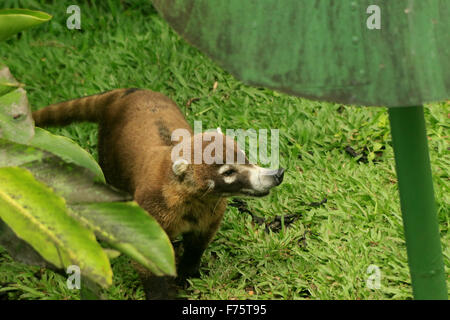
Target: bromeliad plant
{"type": "Point", "coordinates": [54, 202]}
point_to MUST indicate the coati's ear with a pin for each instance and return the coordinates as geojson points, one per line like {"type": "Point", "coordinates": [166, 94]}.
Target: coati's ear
{"type": "Point", "coordinates": [179, 167]}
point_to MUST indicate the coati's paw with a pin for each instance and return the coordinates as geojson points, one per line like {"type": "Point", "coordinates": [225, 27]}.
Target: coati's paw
{"type": "Point", "coordinates": [185, 274]}
{"type": "Point", "coordinates": [156, 295]}
{"type": "Point", "coordinates": [159, 288]}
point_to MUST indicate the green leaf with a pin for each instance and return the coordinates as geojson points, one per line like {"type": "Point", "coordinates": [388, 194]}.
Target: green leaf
{"type": "Point", "coordinates": [111, 253]}
{"type": "Point", "coordinates": [6, 87]}
{"type": "Point", "coordinates": [16, 122]}
{"type": "Point", "coordinates": [14, 154]}
{"type": "Point", "coordinates": [7, 81]}
{"type": "Point", "coordinates": [20, 250]}
{"type": "Point", "coordinates": [13, 21]}
{"type": "Point", "coordinates": [66, 149]}
{"type": "Point", "coordinates": [74, 183]}
{"type": "Point", "coordinates": [298, 47]}
{"type": "Point", "coordinates": [126, 226]}
{"type": "Point", "coordinates": [377, 146]}
{"type": "Point", "coordinates": [39, 217]}
{"type": "Point", "coordinates": [131, 230]}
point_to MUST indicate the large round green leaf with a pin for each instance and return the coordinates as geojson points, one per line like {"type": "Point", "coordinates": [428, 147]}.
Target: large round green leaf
{"type": "Point", "coordinates": [16, 20]}
{"type": "Point", "coordinates": [325, 49]}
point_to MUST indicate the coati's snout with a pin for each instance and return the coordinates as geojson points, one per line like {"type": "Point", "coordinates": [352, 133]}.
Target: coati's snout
{"type": "Point", "coordinates": [247, 179]}
{"type": "Point", "coordinates": [276, 175]}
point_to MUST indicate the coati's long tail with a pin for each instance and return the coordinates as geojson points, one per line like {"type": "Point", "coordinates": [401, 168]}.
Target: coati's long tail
{"type": "Point", "coordinates": [88, 108]}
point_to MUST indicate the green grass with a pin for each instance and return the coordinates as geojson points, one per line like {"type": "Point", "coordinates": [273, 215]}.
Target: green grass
{"type": "Point", "coordinates": [322, 255]}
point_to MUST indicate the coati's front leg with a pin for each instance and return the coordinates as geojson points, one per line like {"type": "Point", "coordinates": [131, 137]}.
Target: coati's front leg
{"type": "Point", "coordinates": [162, 288]}
{"type": "Point", "coordinates": [194, 244]}
{"type": "Point", "coordinates": [196, 241]}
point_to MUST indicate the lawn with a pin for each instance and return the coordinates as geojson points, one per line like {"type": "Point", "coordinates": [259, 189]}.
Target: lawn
{"type": "Point", "coordinates": [324, 253]}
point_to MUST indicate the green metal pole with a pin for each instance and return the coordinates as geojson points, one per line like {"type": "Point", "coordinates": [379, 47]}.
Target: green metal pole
{"type": "Point", "coordinates": [417, 202]}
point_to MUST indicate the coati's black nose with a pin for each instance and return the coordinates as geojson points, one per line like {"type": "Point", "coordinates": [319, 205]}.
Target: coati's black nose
{"type": "Point", "coordinates": [279, 176]}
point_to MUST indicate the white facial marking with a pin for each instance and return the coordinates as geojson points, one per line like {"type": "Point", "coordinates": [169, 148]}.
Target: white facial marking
{"type": "Point", "coordinates": [230, 179]}
{"type": "Point", "coordinates": [211, 184]}
{"type": "Point", "coordinates": [254, 177]}
{"type": "Point", "coordinates": [224, 168]}
{"type": "Point", "coordinates": [261, 178]}
{"type": "Point", "coordinates": [179, 166]}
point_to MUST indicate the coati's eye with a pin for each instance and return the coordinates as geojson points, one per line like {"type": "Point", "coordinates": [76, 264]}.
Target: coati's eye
{"type": "Point", "coordinates": [229, 172]}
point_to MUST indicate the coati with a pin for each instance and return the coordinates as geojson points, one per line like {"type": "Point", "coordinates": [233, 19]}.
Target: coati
{"type": "Point", "coordinates": [135, 154]}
